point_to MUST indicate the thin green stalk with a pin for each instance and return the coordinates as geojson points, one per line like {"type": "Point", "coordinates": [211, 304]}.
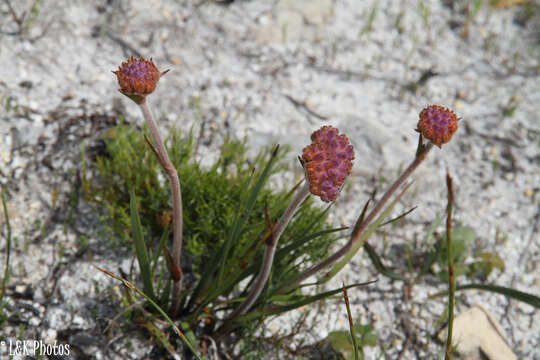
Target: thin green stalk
{"type": "Point", "coordinates": [451, 276]}
{"type": "Point", "coordinates": [270, 250]}
{"type": "Point", "coordinates": [8, 247]}
{"type": "Point", "coordinates": [169, 168]}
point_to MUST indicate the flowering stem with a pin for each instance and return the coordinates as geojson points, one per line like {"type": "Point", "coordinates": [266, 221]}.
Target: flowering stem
{"type": "Point", "coordinates": [357, 232]}
{"type": "Point", "coordinates": [270, 250]}
{"type": "Point", "coordinates": [169, 168]}
{"type": "Point", "coordinates": [451, 276]}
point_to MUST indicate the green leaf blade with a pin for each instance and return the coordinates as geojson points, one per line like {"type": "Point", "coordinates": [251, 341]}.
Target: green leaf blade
{"type": "Point", "coordinates": [140, 247]}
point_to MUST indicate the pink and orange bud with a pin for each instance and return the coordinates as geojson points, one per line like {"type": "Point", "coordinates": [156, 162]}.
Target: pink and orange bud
{"type": "Point", "coordinates": [138, 78]}
{"type": "Point", "coordinates": [437, 124]}
{"type": "Point", "coordinates": [327, 162]}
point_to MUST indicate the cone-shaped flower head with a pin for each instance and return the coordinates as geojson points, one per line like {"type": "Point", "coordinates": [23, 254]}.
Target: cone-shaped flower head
{"type": "Point", "coordinates": [437, 124]}
{"type": "Point", "coordinates": [327, 162]}
{"type": "Point", "coordinates": [138, 78]}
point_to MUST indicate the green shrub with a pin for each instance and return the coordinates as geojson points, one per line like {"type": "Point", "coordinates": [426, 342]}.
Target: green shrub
{"type": "Point", "coordinates": [210, 197]}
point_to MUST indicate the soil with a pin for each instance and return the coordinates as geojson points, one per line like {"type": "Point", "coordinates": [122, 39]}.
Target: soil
{"type": "Point", "coordinates": [273, 72]}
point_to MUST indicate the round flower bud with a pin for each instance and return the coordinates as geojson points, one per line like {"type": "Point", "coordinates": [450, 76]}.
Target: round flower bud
{"type": "Point", "coordinates": [138, 78]}
{"type": "Point", "coordinates": [327, 162]}
{"type": "Point", "coordinates": [437, 124]}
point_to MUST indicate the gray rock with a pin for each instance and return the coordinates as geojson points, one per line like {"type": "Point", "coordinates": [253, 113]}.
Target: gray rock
{"type": "Point", "coordinates": [292, 20]}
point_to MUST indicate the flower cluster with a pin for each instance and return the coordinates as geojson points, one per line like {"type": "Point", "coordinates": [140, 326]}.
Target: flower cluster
{"type": "Point", "coordinates": [138, 78]}
{"type": "Point", "coordinates": [437, 124]}
{"type": "Point", "coordinates": [327, 162]}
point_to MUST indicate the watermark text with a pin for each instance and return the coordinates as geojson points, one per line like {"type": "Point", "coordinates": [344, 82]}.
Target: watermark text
{"type": "Point", "coordinates": [32, 348]}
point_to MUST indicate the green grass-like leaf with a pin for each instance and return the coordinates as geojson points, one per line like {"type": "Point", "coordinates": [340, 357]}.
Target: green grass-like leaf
{"type": "Point", "coordinates": [363, 237]}
{"type": "Point", "coordinates": [158, 308]}
{"type": "Point", "coordinates": [242, 216]}
{"type": "Point", "coordinates": [276, 310]}
{"type": "Point", "coordinates": [527, 298]}
{"type": "Point", "coordinates": [377, 262]}
{"type": "Point", "coordinates": [140, 248]}
{"type": "Point", "coordinates": [6, 276]}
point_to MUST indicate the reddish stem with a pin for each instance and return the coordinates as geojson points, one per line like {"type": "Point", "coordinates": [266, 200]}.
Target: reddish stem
{"type": "Point", "coordinates": [172, 174]}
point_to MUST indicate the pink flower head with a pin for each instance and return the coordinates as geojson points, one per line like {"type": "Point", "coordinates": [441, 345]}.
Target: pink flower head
{"type": "Point", "coordinates": [138, 78]}
{"type": "Point", "coordinates": [437, 124]}
{"type": "Point", "coordinates": [327, 162]}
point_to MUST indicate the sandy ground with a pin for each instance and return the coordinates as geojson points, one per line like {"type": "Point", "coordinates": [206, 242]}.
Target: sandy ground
{"type": "Point", "coordinates": [274, 71]}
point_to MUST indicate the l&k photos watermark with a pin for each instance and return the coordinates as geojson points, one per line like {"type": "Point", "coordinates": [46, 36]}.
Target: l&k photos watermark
{"type": "Point", "coordinates": [32, 348]}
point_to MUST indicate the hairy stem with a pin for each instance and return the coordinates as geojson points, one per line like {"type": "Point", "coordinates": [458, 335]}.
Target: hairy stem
{"type": "Point", "coordinates": [169, 168]}
{"type": "Point", "coordinates": [357, 232]}
{"type": "Point", "coordinates": [451, 276]}
{"type": "Point", "coordinates": [270, 250]}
